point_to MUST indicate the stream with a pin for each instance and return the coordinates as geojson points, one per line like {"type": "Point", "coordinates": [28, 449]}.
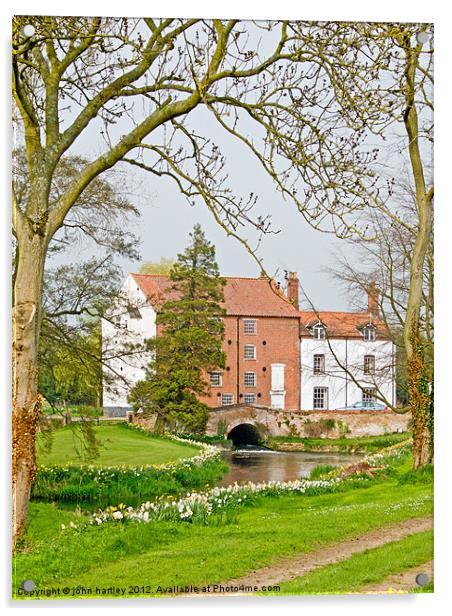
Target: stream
{"type": "Point", "coordinates": [258, 464]}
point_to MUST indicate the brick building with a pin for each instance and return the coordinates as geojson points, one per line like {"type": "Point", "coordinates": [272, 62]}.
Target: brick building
{"type": "Point", "coordinates": [277, 355]}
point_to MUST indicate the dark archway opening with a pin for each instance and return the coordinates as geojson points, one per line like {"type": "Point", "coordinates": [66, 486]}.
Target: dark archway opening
{"type": "Point", "coordinates": [245, 434]}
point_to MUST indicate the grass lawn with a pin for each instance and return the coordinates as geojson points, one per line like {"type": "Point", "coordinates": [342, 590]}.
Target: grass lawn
{"type": "Point", "coordinates": [117, 445]}
{"type": "Point", "coordinates": [169, 553]}
{"type": "Point", "coordinates": [368, 567]}
{"type": "Point", "coordinates": [358, 443]}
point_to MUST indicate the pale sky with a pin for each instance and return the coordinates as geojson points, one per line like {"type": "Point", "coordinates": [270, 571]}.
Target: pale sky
{"type": "Point", "coordinates": [166, 218]}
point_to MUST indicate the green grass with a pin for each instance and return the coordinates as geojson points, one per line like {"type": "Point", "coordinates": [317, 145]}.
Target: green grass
{"type": "Point", "coordinates": [168, 553]}
{"type": "Point", "coordinates": [123, 448]}
{"type": "Point", "coordinates": [368, 567]}
{"type": "Point", "coordinates": [425, 589]}
{"type": "Point", "coordinates": [362, 444]}
{"type": "Point", "coordinates": [321, 469]}
{"type": "Point", "coordinates": [76, 410]}
{"type": "Point", "coordinates": [118, 445]}
{"type": "Point", "coordinates": [89, 489]}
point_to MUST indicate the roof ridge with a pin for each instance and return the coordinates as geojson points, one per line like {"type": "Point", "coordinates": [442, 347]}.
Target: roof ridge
{"type": "Point", "coordinates": [160, 275]}
{"type": "Point", "coordinates": [361, 313]}
{"type": "Point", "coordinates": [226, 277]}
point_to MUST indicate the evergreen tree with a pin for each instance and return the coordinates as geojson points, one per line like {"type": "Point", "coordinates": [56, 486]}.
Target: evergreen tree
{"type": "Point", "coordinates": [190, 342]}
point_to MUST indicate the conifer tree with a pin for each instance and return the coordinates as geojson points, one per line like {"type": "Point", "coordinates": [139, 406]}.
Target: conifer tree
{"type": "Point", "coordinates": [190, 342]}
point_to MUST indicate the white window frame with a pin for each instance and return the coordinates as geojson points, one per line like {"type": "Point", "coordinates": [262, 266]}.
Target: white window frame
{"type": "Point", "coordinates": [228, 396]}
{"type": "Point", "coordinates": [316, 397]}
{"type": "Point", "coordinates": [319, 331]}
{"type": "Point", "coordinates": [316, 369]}
{"type": "Point", "coordinates": [252, 348]}
{"type": "Point", "coordinates": [213, 378]}
{"type": "Point", "coordinates": [367, 396]}
{"type": "Point", "coordinates": [369, 333]}
{"type": "Point", "coordinates": [249, 398]}
{"type": "Point", "coordinates": [366, 368]}
{"type": "Point", "coordinates": [247, 377]}
{"type": "Point", "coordinates": [250, 326]}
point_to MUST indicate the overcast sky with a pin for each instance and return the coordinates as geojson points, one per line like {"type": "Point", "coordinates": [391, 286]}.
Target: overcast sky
{"type": "Point", "coordinates": [166, 218]}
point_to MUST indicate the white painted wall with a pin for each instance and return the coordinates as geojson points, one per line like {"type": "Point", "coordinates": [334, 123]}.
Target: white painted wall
{"type": "Point", "coordinates": [120, 330]}
{"type": "Point", "coordinates": [342, 390]}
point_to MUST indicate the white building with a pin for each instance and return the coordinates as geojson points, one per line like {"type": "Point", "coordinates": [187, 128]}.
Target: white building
{"type": "Point", "coordinates": [346, 358]}
{"type": "Point", "coordinates": [328, 360]}
{"type": "Point", "coordinates": [125, 329]}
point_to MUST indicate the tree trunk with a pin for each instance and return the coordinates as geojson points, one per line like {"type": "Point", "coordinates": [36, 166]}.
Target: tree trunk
{"type": "Point", "coordinates": [418, 386]}
{"type": "Point", "coordinates": [420, 404]}
{"type": "Point", "coordinates": [418, 377]}
{"type": "Point", "coordinates": [26, 399]}
{"type": "Point", "coordinates": [159, 425]}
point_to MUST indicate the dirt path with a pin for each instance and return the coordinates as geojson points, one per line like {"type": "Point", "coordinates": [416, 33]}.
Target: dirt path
{"type": "Point", "coordinates": [290, 568]}
{"type": "Point", "coordinates": [401, 582]}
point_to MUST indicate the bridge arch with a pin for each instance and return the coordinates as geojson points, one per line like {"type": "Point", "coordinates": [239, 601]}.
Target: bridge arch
{"type": "Point", "coordinates": [244, 433]}
{"type": "Point", "coordinates": [224, 420]}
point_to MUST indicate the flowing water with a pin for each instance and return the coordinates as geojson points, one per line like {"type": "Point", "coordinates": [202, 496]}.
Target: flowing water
{"type": "Point", "coordinates": [257, 464]}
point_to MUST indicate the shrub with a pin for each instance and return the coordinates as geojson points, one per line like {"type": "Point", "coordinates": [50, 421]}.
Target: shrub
{"type": "Point", "coordinates": [343, 429]}
{"type": "Point", "coordinates": [314, 429]}
{"type": "Point", "coordinates": [221, 428]}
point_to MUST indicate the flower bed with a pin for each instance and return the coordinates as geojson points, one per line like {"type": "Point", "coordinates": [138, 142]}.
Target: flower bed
{"type": "Point", "coordinates": [220, 503]}
{"type": "Point", "coordinates": [374, 460]}
{"type": "Point", "coordinates": [217, 503]}
{"type": "Point", "coordinates": [394, 452]}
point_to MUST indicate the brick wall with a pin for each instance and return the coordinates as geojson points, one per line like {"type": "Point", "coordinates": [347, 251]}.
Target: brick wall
{"type": "Point", "coordinates": [276, 341]}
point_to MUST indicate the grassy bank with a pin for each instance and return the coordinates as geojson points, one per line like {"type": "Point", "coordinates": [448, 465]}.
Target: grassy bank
{"type": "Point", "coordinates": [142, 557]}
{"type": "Point", "coordinates": [358, 444]}
{"type": "Point", "coordinates": [116, 444]}
{"type": "Point", "coordinates": [143, 467]}
{"type": "Point", "coordinates": [368, 567]}
{"type": "Point", "coordinates": [92, 488]}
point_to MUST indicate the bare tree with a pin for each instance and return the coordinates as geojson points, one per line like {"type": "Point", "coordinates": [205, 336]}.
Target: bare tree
{"type": "Point", "coordinates": [386, 259]}
{"type": "Point", "coordinates": [132, 84]}
{"type": "Point", "coordinates": [392, 99]}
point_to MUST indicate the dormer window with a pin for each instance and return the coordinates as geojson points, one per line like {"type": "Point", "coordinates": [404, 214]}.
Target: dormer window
{"type": "Point", "coordinates": [369, 333]}
{"type": "Point", "coordinates": [319, 332]}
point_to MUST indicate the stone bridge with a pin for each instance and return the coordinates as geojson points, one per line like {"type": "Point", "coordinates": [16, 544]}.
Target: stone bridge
{"type": "Point", "coordinates": [243, 423]}
{"type": "Point", "coordinates": [249, 424]}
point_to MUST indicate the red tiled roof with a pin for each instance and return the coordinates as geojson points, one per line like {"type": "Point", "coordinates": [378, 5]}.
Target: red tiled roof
{"type": "Point", "coordinates": [341, 324]}
{"type": "Point", "coordinates": [157, 288]}
{"type": "Point", "coordinates": [257, 297]}
{"type": "Point", "coordinates": [243, 296]}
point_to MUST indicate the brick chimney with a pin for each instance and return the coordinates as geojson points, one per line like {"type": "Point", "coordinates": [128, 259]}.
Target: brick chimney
{"type": "Point", "coordinates": [372, 299]}
{"type": "Point", "coordinates": [292, 289]}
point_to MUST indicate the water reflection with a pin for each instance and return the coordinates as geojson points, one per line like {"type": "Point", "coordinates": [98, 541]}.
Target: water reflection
{"type": "Point", "coordinates": [258, 464]}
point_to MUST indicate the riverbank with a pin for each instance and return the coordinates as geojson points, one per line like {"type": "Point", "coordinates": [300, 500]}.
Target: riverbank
{"type": "Point", "coordinates": [120, 463]}
{"type": "Point", "coordinates": [164, 557]}
{"type": "Point", "coordinates": [143, 558]}
{"type": "Point", "coordinates": [352, 445]}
